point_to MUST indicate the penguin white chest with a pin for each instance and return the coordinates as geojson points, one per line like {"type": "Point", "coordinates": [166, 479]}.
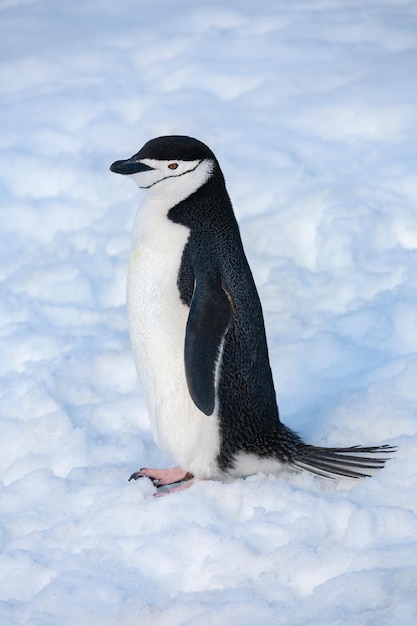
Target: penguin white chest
{"type": "Point", "coordinates": [157, 325]}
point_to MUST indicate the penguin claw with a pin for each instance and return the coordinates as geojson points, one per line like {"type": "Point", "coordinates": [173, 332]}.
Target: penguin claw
{"type": "Point", "coordinates": [162, 477]}
{"type": "Point", "coordinates": [136, 475]}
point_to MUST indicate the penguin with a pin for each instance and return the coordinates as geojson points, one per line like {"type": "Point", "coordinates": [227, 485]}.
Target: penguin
{"type": "Point", "coordinates": [197, 331]}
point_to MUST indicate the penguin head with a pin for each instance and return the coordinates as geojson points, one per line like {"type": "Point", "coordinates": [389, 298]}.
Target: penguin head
{"type": "Point", "coordinates": [174, 164]}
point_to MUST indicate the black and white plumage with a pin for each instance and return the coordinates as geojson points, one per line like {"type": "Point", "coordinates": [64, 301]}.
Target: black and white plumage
{"type": "Point", "coordinates": [197, 329]}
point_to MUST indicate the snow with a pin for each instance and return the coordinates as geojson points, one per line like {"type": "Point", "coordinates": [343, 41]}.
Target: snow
{"type": "Point", "coordinates": [310, 107]}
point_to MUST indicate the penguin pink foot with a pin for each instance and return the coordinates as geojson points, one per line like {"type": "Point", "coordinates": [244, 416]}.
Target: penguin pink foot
{"type": "Point", "coordinates": [161, 477]}
{"type": "Point", "coordinates": [181, 487]}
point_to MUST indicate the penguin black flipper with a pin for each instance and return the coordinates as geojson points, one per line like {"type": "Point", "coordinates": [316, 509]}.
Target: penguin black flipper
{"type": "Point", "coordinates": [209, 318]}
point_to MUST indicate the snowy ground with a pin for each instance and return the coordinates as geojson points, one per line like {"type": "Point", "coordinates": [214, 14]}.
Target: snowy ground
{"type": "Point", "coordinates": [311, 108]}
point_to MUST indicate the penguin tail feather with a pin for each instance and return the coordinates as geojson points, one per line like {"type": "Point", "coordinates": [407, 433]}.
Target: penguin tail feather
{"type": "Point", "coordinates": [353, 462]}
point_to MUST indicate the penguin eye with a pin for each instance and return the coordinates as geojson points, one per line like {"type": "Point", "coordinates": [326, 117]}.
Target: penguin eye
{"type": "Point", "coordinates": [173, 166]}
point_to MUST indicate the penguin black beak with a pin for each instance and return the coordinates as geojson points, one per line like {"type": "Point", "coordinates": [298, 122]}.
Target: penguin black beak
{"type": "Point", "coordinates": [129, 166]}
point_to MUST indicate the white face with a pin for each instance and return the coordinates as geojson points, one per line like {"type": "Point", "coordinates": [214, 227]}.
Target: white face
{"type": "Point", "coordinates": [175, 176]}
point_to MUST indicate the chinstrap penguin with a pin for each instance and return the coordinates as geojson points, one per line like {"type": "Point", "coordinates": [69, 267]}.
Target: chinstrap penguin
{"type": "Point", "coordinates": [197, 330]}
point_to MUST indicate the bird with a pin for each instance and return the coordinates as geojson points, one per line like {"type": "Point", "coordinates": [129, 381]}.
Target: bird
{"type": "Point", "coordinates": [198, 335]}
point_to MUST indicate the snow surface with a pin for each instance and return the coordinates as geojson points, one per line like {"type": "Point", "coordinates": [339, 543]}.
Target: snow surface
{"type": "Point", "coordinates": [311, 108]}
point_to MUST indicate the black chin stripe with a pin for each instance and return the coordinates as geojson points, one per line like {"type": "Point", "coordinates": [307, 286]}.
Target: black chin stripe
{"type": "Point", "coordinates": [173, 176]}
